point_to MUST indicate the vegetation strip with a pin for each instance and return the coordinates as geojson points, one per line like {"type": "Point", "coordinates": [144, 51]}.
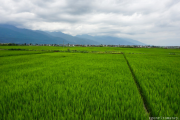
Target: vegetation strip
{"type": "Point", "coordinates": [20, 54]}
{"type": "Point", "coordinates": [6, 53]}
{"type": "Point", "coordinates": [146, 106]}
{"type": "Point", "coordinates": [95, 49]}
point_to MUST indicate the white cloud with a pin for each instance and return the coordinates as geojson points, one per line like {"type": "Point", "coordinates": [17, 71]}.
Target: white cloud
{"type": "Point", "coordinates": [149, 21]}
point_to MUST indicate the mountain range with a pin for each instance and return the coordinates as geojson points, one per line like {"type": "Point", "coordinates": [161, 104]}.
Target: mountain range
{"type": "Point", "coordinates": [12, 34]}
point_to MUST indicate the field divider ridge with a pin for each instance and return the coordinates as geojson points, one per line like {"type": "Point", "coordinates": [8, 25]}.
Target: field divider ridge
{"type": "Point", "coordinates": [143, 97]}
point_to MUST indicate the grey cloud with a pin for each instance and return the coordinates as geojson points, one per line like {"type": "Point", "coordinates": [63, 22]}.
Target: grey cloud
{"type": "Point", "coordinates": [172, 3]}
{"type": "Point", "coordinates": [79, 6]}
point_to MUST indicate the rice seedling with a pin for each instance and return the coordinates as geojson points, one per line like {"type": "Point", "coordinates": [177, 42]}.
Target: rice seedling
{"type": "Point", "coordinates": [68, 86]}
{"type": "Point", "coordinates": [158, 76]}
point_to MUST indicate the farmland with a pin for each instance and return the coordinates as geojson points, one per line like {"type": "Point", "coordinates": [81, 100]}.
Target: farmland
{"type": "Point", "coordinates": [42, 84]}
{"type": "Point", "coordinates": [101, 49]}
{"type": "Point", "coordinates": [158, 77]}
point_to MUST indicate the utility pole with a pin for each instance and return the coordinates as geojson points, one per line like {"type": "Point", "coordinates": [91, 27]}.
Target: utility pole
{"type": "Point", "coordinates": [63, 43]}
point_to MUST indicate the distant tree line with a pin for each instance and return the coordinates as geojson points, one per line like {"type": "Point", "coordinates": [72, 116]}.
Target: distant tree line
{"type": "Point", "coordinates": [79, 45]}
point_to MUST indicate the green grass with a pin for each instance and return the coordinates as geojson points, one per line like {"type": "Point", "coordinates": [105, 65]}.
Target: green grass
{"type": "Point", "coordinates": [68, 86]}
{"type": "Point", "coordinates": [159, 78]}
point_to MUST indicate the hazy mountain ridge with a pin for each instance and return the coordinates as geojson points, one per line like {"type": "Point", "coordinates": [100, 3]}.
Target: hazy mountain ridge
{"type": "Point", "coordinates": [111, 40]}
{"type": "Point", "coordinates": [12, 34]}
{"type": "Point", "coordinates": [73, 39]}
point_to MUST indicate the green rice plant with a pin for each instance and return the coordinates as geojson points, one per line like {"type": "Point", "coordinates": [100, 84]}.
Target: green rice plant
{"type": "Point", "coordinates": [97, 49]}
{"type": "Point", "coordinates": [158, 76]}
{"type": "Point", "coordinates": [68, 86]}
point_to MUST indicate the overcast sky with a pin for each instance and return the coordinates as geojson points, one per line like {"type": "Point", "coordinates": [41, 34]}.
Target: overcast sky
{"type": "Point", "coordinates": [154, 22]}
